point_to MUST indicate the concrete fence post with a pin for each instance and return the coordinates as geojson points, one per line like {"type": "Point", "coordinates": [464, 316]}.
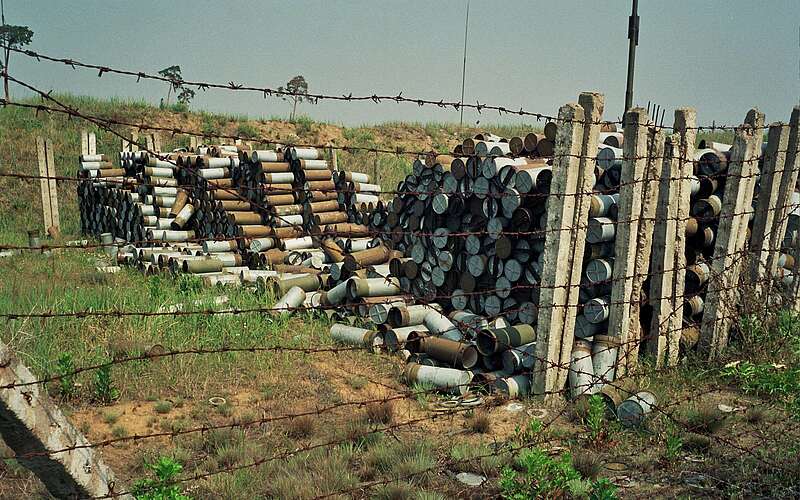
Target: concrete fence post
{"type": "Point", "coordinates": [47, 185]}
{"type": "Point", "coordinates": [729, 248]}
{"type": "Point", "coordinates": [763, 255]}
{"type": "Point", "coordinates": [32, 426]}
{"type": "Point", "coordinates": [627, 261]}
{"type": "Point", "coordinates": [557, 266]}
{"type": "Point", "coordinates": [669, 240]}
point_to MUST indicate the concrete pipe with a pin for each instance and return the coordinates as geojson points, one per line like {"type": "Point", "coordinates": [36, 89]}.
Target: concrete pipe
{"type": "Point", "coordinates": [262, 244]}
{"type": "Point", "coordinates": [449, 379]}
{"type": "Point", "coordinates": [352, 335]}
{"type": "Point", "coordinates": [205, 265]}
{"type": "Point", "coordinates": [219, 246]}
{"type": "Point", "coordinates": [336, 295]}
{"type": "Point", "coordinates": [297, 243]}
{"type": "Point", "coordinates": [439, 324]}
{"type": "Point", "coordinates": [492, 341]}
{"type": "Point", "coordinates": [457, 354]}
{"type": "Point", "coordinates": [379, 313]}
{"type": "Point", "coordinates": [604, 357]}
{"type": "Point", "coordinates": [633, 411]}
{"type": "Point", "coordinates": [581, 371]}
{"type": "Point", "coordinates": [408, 315]}
{"type": "Point", "coordinates": [396, 338]}
{"type": "Point", "coordinates": [183, 217]}
{"type": "Point", "coordinates": [519, 358]}
{"type": "Point", "coordinates": [290, 301]}
{"type": "Point", "coordinates": [373, 287]}
{"type": "Point", "coordinates": [515, 387]}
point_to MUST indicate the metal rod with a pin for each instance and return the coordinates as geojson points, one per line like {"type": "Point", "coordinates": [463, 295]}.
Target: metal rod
{"type": "Point", "coordinates": [633, 36]}
{"type": "Point", "coordinates": [464, 67]}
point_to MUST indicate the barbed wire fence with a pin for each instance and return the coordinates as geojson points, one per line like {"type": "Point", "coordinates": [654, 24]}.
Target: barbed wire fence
{"type": "Point", "coordinates": [731, 271]}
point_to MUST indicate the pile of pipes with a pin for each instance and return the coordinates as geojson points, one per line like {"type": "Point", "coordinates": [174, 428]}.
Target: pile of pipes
{"type": "Point", "coordinates": [472, 233]}
{"type": "Point", "coordinates": [359, 198]}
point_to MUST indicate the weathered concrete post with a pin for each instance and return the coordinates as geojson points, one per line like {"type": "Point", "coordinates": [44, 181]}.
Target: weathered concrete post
{"type": "Point", "coordinates": [33, 426]}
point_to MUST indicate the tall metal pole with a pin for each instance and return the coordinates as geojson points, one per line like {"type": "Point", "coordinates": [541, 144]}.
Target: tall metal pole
{"type": "Point", "coordinates": [633, 37]}
{"type": "Point", "coordinates": [464, 66]}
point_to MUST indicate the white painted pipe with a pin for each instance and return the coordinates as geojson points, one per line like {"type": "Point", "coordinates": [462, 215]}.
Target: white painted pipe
{"type": "Point", "coordinates": [260, 155]}
{"type": "Point", "coordinates": [516, 386]}
{"type": "Point", "coordinates": [581, 371]}
{"type": "Point", "coordinates": [604, 357]}
{"type": "Point", "coordinates": [291, 300]}
{"type": "Point", "coordinates": [297, 243]}
{"type": "Point", "coordinates": [439, 324]}
{"type": "Point", "coordinates": [262, 244]}
{"type": "Point", "coordinates": [450, 379]}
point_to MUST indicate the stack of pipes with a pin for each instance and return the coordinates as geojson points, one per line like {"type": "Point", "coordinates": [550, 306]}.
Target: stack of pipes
{"type": "Point", "coordinates": [472, 235]}
{"type": "Point", "coordinates": [359, 198]}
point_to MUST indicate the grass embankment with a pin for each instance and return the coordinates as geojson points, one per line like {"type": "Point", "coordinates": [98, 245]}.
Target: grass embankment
{"type": "Point", "coordinates": [695, 450]}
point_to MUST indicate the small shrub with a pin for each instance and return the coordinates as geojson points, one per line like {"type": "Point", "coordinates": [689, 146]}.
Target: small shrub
{"type": "Point", "coordinates": [104, 389]}
{"type": "Point", "coordinates": [674, 445]}
{"type": "Point", "coordinates": [160, 487]}
{"type": "Point", "coordinates": [395, 491]}
{"type": "Point", "coordinates": [163, 407]}
{"type": "Point", "coordinates": [479, 423]}
{"type": "Point", "coordinates": [119, 431]}
{"type": "Point", "coordinates": [301, 427]}
{"type": "Point", "coordinates": [66, 369]}
{"type": "Point", "coordinates": [380, 413]}
{"type": "Point", "coordinates": [357, 383]}
{"type": "Point", "coordinates": [595, 419]}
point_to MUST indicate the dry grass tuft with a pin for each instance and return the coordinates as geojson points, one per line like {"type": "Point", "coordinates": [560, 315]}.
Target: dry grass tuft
{"type": "Point", "coordinates": [479, 423]}
{"type": "Point", "coordinates": [706, 420]}
{"type": "Point", "coordinates": [301, 427]}
{"type": "Point", "coordinates": [380, 413]}
{"type": "Point", "coordinates": [588, 464]}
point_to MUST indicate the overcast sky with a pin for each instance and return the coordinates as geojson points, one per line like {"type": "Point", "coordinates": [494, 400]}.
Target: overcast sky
{"type": "Point", "coordinates": [722, 57]}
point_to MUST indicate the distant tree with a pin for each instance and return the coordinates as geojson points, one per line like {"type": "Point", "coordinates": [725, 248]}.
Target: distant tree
{"type": "Point", "coordinates": [296, 91]}
{"type": "Point", "coordinates": [173, 74]}
{"type": "Point", "coordinates": [185, 96]}
{"type": "Point", "coordinates": [12, 37]}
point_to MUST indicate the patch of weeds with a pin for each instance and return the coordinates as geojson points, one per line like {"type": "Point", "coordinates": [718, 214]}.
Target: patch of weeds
{"type": "Point", "coordinates": [479, 422]}
{"type": "Point", "coordinates": [595, 419]}
{"type": "Point", "coordinates": [247, 130]}
{"type": "Point", "coordinates": [119, 431]}
{"type": "Point", "coordinates": [110, 417]}
{"type": "Point", "coordinates": [422, 392]}
{"type": "Point", "coordinates": [360, 434]}
{"type": "Point", "coordinates": [544, 476]}
{"type": "Point", "coordinates": [357, 383]}
{"type": "Point", "coordinates": [673, 444]}
{"type": "Point", "coordinates": [85, 427]}
{"type": "Point", "coordinates": [755, 415]}
{"type": "Point", "coordinates": [380, 413]}
{"type": "Point", "coordinates": [226, 410]}
{"type": "Point", "coordinates": [163, 407]}
{"type": "Point", "coordinates": [394, 491]}
{"type": "Point", "coordinates": [400, 459]}
{"type": "Point", "coordinates": [301, 427]}
{"type": "Point", "coordinates": [526, 435]}
{"type": "Point", "coordinates": [480, 458]}
{"type": "Point", "coordinates": [104, 390]}
{"type": "Point", "coordinates": [770, 380]}
{"type": "Point", "coordinates": [160, 486]}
